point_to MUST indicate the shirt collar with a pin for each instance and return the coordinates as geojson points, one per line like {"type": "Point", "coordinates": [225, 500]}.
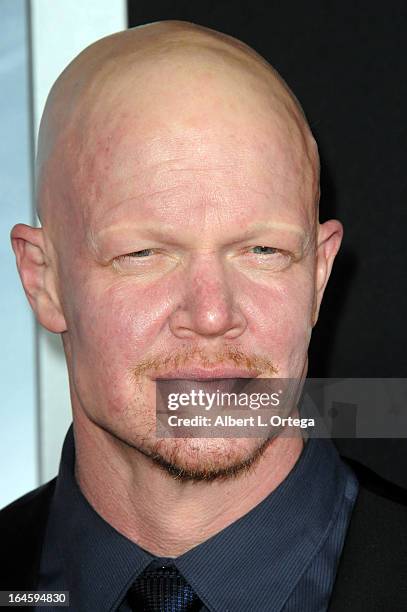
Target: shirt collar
{"type": "Point", "coordinates": [266, 551]}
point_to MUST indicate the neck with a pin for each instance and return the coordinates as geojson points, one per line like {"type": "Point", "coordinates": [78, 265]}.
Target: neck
{"type": "Point", "coordinates": [163, 515]}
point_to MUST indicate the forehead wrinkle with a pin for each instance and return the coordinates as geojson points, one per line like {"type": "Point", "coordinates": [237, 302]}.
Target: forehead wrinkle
{"type": "Point", "coordinates": [214, 159]}
{"type": "Point", "coordinates": [168, 174]}
{"type": "Point", "coordinates": [211, 203]}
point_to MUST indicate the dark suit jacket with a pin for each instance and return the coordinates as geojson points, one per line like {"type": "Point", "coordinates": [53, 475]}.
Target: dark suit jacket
{"type": "Point", "coordinates": [372, 574]}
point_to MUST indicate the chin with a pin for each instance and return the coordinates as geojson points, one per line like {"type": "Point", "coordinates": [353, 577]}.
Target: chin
{"type": "Point", "coordinates": [206, 459]}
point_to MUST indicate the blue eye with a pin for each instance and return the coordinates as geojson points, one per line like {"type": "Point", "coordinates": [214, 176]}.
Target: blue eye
{"type": "Point", "coordinates": [264, 250]}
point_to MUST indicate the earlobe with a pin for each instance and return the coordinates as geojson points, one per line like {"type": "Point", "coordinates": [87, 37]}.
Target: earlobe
{"type": "Point", "coordinates": [329, 241]}
{"type": "Point", "coordinates": [37, 276]}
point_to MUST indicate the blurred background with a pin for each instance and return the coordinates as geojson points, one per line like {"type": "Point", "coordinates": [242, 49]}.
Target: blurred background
{"type": "Point", "coordinates": [346, 62]}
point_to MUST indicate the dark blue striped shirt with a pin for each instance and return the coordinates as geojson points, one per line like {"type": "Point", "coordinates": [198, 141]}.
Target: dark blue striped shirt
{"type": "Point", "coordinates": [281, 556]}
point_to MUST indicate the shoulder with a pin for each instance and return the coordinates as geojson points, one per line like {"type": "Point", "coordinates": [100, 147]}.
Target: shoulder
{"type": "Point", "coordinates": [22, 530]}
{"type": "Point", "coordinates": [21, 511]}
{"type": "Point", "coordinates": [378, 500]}
{"type": "Point", "coordinates": [373, 566]}
{"type": "Point", "coordinates": [377, 533]}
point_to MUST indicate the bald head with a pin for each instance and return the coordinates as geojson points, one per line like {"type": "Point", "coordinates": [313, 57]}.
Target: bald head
{"type": "Point", "coordinates": [155, 76]}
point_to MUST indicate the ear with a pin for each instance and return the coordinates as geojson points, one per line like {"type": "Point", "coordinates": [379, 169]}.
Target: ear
{"type": "Point", "coordinates": [329, 240]}
{"type": "Point", "coordinates": [37, 276]}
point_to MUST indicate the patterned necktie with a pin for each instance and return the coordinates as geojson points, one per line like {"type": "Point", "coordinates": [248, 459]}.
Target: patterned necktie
{"type": "Point", "coordinates": [161, 588]}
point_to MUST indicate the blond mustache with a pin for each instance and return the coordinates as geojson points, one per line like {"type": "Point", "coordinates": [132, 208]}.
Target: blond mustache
{"type": "Point", "coordinates": [197, 355]}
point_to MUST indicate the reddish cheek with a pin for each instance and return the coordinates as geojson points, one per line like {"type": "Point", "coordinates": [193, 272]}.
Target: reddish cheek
{"type": "Point", "coordinates": [118, 323]}
{"type": "Point", "coordinates": [107, 340]}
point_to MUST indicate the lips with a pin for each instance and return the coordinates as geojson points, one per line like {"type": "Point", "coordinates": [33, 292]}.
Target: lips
{"type": "Point", "coordinates": [205, 374]}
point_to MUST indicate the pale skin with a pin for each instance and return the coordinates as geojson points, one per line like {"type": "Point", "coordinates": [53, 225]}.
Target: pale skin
{"type": "Point", "coordinates": [178, 198]}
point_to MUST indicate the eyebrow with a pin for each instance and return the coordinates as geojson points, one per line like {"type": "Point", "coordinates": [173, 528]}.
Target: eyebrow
{"type": "Point", "coordinates": [267, 225]}
{"type": "Point", "coordinates": [165, 231]}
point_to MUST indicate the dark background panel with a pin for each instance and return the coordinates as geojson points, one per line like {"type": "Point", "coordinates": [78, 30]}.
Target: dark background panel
{"type": "Point", "coordinates": [347, 64]}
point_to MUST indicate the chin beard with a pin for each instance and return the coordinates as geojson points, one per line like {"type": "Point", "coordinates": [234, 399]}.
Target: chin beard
{"type": "Point", "coordinates": [210, 470]}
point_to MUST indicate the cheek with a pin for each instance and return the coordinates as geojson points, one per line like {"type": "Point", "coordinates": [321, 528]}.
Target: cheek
{"type": "Point", "coordinates": [118, 321]}
{"type": "Point", "coordinates": [281, 317]}
{"type": "Point", "coordinates": [110, 330]}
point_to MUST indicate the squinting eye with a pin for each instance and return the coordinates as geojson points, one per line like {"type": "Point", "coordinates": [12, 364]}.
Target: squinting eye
{"type": "Point", "coordinates": [137, 254]}
{"type": "Point", "coordinates": [269, 259]}
{"type": "Point", "coordinates": [264, 250]}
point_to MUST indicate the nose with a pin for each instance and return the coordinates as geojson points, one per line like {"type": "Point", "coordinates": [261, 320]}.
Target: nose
{"type": "Point", "coordinates": [208, 306]}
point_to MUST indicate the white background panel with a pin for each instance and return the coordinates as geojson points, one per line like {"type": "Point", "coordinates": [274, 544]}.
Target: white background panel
{"type": "Point", "coordinates": [60, 30]}
{"type": "Point", "coordinates": [18, 418]}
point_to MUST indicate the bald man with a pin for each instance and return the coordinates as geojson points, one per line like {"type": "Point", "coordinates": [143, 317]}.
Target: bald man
{"type": "Point", "coordinates": [178, 189]}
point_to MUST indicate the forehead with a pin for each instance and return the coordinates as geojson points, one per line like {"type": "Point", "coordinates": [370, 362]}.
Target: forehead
{"type": "Point", "coordinates": [228, 162]}
{"type": "Point", "coordinates": [194, 170]}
